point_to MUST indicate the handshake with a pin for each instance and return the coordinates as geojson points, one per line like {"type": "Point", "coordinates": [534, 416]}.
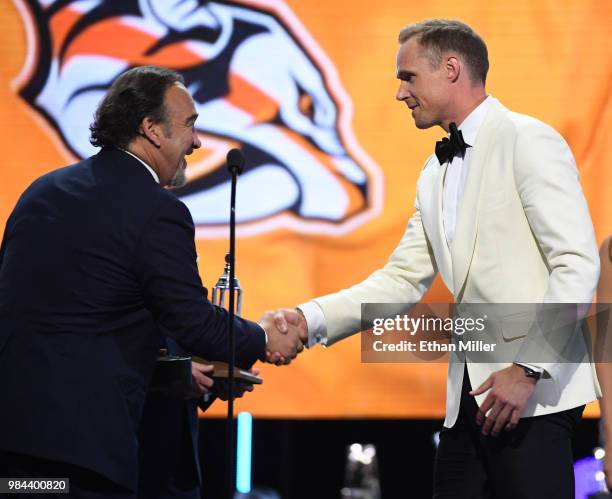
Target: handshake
{"type": "Point", "coordinates": [287, 332]}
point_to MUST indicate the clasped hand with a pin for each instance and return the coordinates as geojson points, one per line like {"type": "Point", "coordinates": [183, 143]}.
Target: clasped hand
{"type": "Point", "coordinates": [287, 334]}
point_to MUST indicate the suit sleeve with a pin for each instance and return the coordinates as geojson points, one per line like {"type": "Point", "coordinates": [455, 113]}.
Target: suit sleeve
{"type": "Point", "coordinates": [167, 269]}
{"type": "Point", "coordinates": [547, 182]}
{"type": "Point", "coordinates": [1, 253]}
{"type": "Point", "coordinates": [404, 279]}
{"type": "Point", "coordinates": [554, 204]}
{"type": "Point", "coordinates": [3, 243]}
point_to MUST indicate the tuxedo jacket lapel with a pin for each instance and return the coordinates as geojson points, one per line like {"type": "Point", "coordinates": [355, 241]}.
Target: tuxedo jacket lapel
{"type": "Point", "coordinates": [444, 263]}
{"type": "Point", "coordinates": [432, 189]}
{"type": "Point", "coordinates": [462, 249]}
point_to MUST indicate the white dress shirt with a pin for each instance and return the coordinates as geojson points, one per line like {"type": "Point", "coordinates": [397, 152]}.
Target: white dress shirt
{"type": "Point", "coordinates": [454, 185]}
{"type": "Point", "coordinates": [457, 171]}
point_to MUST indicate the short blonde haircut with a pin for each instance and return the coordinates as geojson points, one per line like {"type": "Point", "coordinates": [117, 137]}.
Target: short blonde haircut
{"type": "Point", "coordinates": [439, 36]}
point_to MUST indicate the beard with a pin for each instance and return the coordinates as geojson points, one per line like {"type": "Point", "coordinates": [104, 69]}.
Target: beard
{"type": "Point", "coordinates": [179, 179]}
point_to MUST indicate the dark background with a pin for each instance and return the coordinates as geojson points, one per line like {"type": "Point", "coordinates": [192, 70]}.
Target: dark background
{"type": "Point", "coordinates": [306, 458]}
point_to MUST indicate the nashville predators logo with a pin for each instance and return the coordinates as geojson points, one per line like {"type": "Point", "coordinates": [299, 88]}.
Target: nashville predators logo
{"type": "Point", "coordinates": [259, 80]}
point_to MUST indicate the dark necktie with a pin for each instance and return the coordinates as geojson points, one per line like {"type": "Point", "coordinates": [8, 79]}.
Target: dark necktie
{"type": "Point", "coordinates": [448, 148]}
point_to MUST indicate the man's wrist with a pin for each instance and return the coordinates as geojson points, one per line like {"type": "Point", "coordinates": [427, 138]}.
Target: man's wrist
{"type": "Point", "coordinates": [530, 372]}
{"type": "Point", "coordinates": [315, 323]}
{"type": "Point", "coordinates": [301, 314]}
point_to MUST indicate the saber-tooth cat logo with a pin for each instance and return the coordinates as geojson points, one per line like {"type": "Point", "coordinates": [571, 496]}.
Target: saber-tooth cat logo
{"type": "Point", "coordinates": [259, 80]}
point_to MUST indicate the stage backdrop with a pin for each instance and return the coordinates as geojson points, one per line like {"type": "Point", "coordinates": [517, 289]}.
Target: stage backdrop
{"type": "Point", "coordinates": [307, 89]}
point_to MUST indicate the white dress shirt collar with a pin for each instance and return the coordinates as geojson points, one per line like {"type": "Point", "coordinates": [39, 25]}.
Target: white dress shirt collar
{"type": "Point", "coordinates": [470, 125]}
{"type": "Point", "coordinates": [151, 171]}
{"type": "Point", "coordinates": [457, 173]}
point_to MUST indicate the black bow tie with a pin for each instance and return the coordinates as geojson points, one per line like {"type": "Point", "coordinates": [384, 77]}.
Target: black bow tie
{"type": "Point", "coordinates": [448, 148]}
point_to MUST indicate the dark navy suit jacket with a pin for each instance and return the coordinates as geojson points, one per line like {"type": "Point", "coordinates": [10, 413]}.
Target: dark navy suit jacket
{"type": "Point", "coordinates": [169, 464]}
{"type": "Point", "coordinates": [96, 259]}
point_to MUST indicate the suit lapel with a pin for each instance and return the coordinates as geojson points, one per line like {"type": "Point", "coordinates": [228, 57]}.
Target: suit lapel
{"type": "Point", "coordinates": [431, 188]}
{"type": "Point", "coordinates": [466, 231]}
{"type": "Point", "coordinates": [444, 265]}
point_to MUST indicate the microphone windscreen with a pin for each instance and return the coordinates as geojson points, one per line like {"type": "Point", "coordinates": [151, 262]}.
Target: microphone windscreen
{"type": "Point", "coordinates": [235, 160]}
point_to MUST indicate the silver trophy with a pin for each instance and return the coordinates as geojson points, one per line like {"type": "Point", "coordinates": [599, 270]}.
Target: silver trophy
{"type": "Point", "coordinates": [221, 290]}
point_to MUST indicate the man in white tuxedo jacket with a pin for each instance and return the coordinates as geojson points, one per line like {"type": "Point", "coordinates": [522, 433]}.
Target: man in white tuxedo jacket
{"type": "Point", "coordinates": [503, 220]}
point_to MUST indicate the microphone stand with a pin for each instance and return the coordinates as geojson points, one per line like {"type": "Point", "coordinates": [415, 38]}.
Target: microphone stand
{"type": "Point", "coordinates": [235, 164]}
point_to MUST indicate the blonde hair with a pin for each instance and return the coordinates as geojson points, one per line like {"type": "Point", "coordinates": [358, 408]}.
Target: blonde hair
{"type": "Point", "coordinates": [439, 36]}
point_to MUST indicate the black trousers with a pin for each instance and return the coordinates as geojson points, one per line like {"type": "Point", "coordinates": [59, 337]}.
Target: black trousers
{"type": "Point", "coordinates": [533, 461]}
{"type": "Point", "coordinates": [84, 484]}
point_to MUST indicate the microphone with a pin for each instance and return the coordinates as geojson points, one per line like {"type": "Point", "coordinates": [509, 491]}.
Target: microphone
{"type": "Point", "coordinates": [235, 161]}
{"type": "Point", "coordinates": [235, 164]}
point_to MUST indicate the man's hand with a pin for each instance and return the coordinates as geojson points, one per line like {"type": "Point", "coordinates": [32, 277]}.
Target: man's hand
{"type": "Point", "coordinates": [509, 392]}
{"type": "Point", "coordinates": [200, 382]}
{"type": "Point", "coordinates": [240, 386]}
{"type": "Point", "coordinates": [283, 346]}
{"type": "Point", "coordinates": [283, 319]}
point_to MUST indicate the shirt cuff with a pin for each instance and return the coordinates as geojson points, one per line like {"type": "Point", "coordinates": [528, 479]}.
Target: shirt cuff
{"type": "Point", "coordinates": [531, 366]}
{"type": "Point", "coordinates": [315, 319]}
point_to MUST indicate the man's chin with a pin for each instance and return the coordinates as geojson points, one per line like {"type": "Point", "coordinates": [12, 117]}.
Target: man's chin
{"type": "Point", "coordinates": [422, 125]}
{"type": "Point", "coordinates": [179, 179]}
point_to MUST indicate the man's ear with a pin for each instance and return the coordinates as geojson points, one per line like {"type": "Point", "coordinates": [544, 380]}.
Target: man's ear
{"type": "Point", "coordinates": [452, 66]}
{"type": "Point", "coordinates": [151, 130]}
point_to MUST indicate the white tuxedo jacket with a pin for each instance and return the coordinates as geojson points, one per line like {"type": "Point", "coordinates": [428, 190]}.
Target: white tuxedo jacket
{"type": "Point", "coordinates": [523, 235]}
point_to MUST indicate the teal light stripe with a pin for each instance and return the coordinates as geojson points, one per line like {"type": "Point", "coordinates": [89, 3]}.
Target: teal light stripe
{"type": "Point", "coordinates": [243, 462]}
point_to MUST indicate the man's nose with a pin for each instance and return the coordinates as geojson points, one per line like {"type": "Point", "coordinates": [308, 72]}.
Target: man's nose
{"type": "Point", "coordinates": [197, 143]}
{"type": "Point", "coordinates": [402, 92]}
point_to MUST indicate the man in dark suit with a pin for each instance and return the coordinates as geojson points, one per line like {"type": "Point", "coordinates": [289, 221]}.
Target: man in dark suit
{"type": "Point", "coordinates": [97, 258]}
{"type": "Point", "coordinates": [169, 465]}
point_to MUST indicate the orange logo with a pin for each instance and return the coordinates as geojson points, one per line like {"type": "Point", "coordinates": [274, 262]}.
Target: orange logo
{"type": "Point", "coordinates": [260, 82]}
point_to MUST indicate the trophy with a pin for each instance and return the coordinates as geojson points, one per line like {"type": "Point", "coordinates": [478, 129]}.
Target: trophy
{"type": "Point", "coordinates": [221, 290]}
{"type": "Point", "coordinates": [221, 374]}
